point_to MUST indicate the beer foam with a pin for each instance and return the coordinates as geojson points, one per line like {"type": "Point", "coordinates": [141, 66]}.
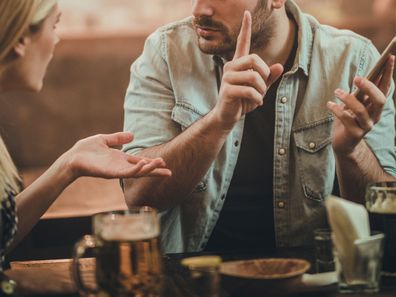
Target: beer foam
{"type": "Point", "coordinates": [129, 229]}
{"type": "Point", "coordinates": [387, 205]}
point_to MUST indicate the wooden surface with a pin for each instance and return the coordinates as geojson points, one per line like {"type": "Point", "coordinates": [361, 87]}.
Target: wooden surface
{"type": "Point", "coordinates": [177, 281]}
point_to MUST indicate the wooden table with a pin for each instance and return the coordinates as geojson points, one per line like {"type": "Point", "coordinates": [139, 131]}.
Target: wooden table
{"type": "Point", "coordinates": [178, 284]}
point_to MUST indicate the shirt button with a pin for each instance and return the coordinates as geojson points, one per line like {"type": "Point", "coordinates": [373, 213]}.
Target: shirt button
{"type": "Point", "coordinates": [312, 145]}
{"type": "Point", "coordinates": [281, 204]}
{"type": "Point", "coordinates": [282, 151]}
{"type": "Point", "coordinates": [236, 143]}
{"type": "Point", "coordinates": [283, 99]}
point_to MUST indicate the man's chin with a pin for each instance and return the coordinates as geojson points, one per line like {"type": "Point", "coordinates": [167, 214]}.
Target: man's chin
{"type": "Point", "coordinates": [212, 47]}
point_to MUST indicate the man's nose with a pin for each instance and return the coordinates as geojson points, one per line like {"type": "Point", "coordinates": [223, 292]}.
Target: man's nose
{"type": "Point", "coordinates": [202, 8]}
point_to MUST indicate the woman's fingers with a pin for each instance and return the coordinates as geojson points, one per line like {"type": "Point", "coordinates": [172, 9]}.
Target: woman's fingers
{"type": "Point", "coordinates": [148, 167]}
{"type": "Point", "coordinates": [117, 139]}
{"type": "Point", "coordinates": [154, 164]}
{"type": "Point", "coordinates": [160, 172]}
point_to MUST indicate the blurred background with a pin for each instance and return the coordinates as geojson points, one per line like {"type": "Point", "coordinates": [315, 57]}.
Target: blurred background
{"type": "Point", "coordinates": [86, 81]}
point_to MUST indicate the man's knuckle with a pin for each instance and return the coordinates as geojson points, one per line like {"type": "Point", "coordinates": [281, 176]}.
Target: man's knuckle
{"type": "Point", "coordinates": [253, 77]}
{"type": "Point", "coordinates": [251, 93]}
{"type": "Point", "coordinates": [251, 59]}
{"type": "Point", "coordinates": [255, 58]}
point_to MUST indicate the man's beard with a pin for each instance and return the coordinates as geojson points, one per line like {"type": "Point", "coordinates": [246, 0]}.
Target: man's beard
{"type": "Point", "coordinates": [263, 26]}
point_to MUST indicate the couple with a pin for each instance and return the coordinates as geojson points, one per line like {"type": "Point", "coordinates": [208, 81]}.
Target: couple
{"type": "Point", "coordinates": [249, 105]}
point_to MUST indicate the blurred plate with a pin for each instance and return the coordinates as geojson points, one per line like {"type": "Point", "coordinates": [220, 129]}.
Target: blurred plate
{"type": "Point", "coordinates": [270, 276]}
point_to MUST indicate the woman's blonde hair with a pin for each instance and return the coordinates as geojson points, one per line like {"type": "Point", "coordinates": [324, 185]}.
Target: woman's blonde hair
{"type": "Point", "coordinates": [16, 18]}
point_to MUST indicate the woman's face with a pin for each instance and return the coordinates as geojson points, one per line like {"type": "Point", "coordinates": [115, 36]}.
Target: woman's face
{"type": "Point", "coordinates": [33, 53]}
{"type": "Point", "coordinates": [39, 51]}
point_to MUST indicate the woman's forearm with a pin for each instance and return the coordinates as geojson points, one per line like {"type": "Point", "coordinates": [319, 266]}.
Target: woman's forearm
{"type": "Point", "coordinates": [33, 202]}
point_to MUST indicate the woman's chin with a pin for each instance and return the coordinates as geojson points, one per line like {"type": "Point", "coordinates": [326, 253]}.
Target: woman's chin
{"type": "Point", "coordinates": [35, 87]}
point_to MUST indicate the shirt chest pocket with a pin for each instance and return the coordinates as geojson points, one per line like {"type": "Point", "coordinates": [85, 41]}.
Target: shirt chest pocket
{"type": "Point", "coordinates": [185, 115]}
{"type": "Point", "coordinates": [315, 160]}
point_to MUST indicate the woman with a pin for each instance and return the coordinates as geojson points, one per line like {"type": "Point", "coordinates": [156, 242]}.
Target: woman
{"type": "Point", "coordinates": [27, 42]}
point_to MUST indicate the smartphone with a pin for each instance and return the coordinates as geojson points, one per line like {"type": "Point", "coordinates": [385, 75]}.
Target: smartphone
{"type": "Point", "coordinates": [379, 67]}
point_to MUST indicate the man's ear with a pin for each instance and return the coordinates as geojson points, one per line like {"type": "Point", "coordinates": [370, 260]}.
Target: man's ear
{"type": "Point", "coordinates": [20, 47]}
{"type": "Point", "coordinates": [276, 4]}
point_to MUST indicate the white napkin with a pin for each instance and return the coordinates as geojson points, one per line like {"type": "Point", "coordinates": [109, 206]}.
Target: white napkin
{"type": "Point", "coordinates": [349, 222]}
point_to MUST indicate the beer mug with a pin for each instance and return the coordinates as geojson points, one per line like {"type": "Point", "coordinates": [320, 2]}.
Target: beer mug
{"type": "Point", "coordinates": [381, 204]}
{"type": "Point", "coordinates": [125, 245]}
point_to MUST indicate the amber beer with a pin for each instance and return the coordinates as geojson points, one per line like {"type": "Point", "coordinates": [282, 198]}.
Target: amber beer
{"type": "Point", "coordinates": [126, 248]}
{"type": "Point", "coordinates": [133, 266]}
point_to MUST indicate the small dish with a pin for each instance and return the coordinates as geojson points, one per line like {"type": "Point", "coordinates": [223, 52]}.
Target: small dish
{"type": "Point", "coordinates": [275, 276]}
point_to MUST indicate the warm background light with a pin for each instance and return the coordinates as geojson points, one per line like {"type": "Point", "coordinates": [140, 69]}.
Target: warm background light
{"type": "Point", "coordinates": [85, 87]}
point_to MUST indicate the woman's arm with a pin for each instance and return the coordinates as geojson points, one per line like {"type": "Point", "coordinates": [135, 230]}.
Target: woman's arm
{"type": "Point", "coordinates": [92, 156]}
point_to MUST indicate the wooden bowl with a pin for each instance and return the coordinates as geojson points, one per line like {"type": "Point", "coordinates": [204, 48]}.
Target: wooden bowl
{"type": "Point", "coordinates": [258, 276]}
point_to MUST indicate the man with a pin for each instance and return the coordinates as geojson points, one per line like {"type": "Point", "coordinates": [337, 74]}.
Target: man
{"type": "Point", "coordinates": [250, 172]}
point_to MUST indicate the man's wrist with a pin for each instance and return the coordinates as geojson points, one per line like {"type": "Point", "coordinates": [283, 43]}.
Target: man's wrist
{"type": "Point", "coordinates": [215, 122]}
{"type": "Point", "coordinates": [351, 153]}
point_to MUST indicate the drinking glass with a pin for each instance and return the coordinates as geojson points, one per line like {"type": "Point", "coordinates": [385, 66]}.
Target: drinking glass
{"type": "Point", "coordinates": [204, 275]}
{"type": "Point", "coordinates": [362, 273]}
{"type": "Point", "coordinates": [126, 248]}
{"type": "Point", "coordinates": [381, 205]}
{"type": "Point", "coordinates": [324, 259]}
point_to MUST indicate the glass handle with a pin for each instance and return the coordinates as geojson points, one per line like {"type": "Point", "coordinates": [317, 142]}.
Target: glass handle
{"type": "Point", "coordinates": [79, 250]}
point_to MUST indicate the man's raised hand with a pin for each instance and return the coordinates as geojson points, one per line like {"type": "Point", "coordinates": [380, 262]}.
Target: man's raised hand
{"type": "Point", "coordinates": [246, 79]}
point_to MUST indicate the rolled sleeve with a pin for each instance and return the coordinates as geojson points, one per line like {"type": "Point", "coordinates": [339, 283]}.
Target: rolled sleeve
{"type": "Point", "coordinates": [149, 100]}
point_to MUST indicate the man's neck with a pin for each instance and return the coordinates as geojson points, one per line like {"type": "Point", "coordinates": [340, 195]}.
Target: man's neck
{"type": "Point", "coordinates": [281, 44]}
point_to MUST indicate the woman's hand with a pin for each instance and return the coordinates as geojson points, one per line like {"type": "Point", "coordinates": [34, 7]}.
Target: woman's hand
{"type": "Point", "coordinates": [98, 156]}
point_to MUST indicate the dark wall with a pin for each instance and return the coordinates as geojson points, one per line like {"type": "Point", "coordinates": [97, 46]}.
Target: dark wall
{"type": "Point", "coordinates": [83, 95]}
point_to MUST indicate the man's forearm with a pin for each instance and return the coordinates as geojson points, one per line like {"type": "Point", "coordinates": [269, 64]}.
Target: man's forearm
{"type": "Point", "coordinates": [357, 170]}
{"type": "Point", "coordinates": [189, 156]}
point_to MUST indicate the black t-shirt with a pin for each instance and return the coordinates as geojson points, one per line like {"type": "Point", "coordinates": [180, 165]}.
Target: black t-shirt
{"type": "Point", "coordinates": [246, 221]}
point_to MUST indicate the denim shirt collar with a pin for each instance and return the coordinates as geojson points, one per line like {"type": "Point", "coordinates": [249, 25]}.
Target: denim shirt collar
{"type": "Point", "coordinates": [305, 37]}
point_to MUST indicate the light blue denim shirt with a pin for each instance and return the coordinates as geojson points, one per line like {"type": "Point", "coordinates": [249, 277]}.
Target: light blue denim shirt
{"type": "Point", "coordinates": [173, 84]}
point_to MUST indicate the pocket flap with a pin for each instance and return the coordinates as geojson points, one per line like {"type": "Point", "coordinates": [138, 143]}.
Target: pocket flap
{"type": "Point", "coordinates": [185, 114]}
{"type": "Point", "coordinates": [314, 136]}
